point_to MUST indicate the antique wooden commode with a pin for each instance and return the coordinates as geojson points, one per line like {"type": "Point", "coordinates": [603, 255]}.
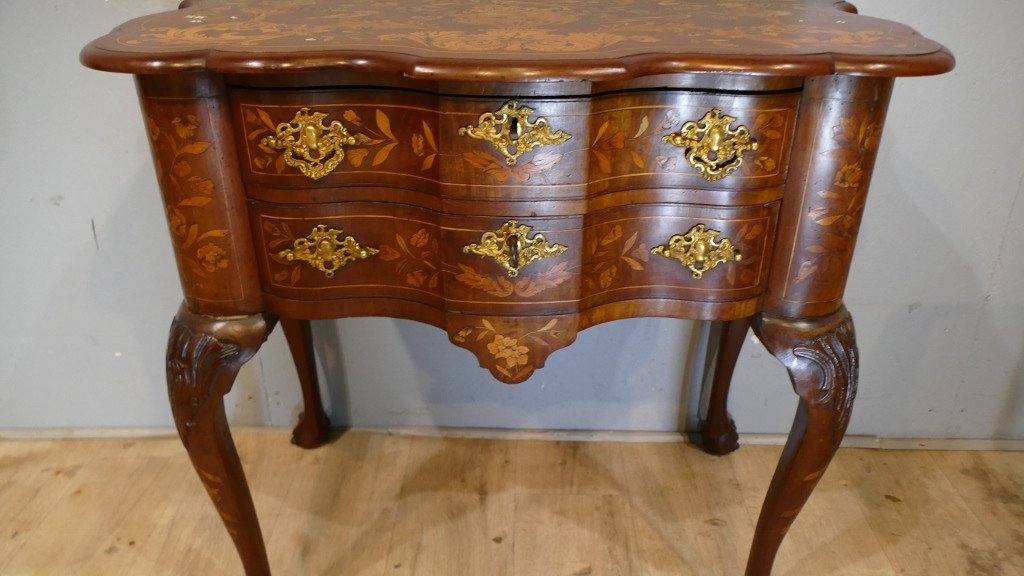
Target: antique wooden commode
{"type": "Point", "coordinates": [514, 172]}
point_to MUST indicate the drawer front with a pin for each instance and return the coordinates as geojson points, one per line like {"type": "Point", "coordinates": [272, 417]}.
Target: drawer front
{"type": "Point", "coordinates": [352, 250]}
{"type": "Point", "coordinates": [504, 149]}
{"type": "Point", "coordinates": [547, 280]}
{"type": "Point", "coordinates": [619, 143]}
{"type": "Point", "coordinates": [524, 264]}
{"type": "Point", "coordinates": [680, 252]}
{"type": "Point", "coordinates": [380, 250]}
{"type": "Point", "coordinates": [548, 160]}
{"type": "Point", "coordinates": [628, 147]}
{"type": "Point", "coordinates": [352, 138]}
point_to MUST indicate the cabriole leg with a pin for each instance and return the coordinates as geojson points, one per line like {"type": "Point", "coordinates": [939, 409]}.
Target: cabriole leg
{"type": "Point", "coordinates": [313, 427]}
{"type": "Point", "coordinates": [718, 432]}
{"type": "Point", "coordinates": [203, 356]}
{"type": "Point", "coordinates": [821, 357]}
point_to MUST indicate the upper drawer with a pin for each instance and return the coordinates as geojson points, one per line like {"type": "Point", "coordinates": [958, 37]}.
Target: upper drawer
{"type": "Point", "coordinates": [507, 149]}
{"type": "Point", "coordinates": [337, 138]}
{"type": "Point", "coordinates": [690, 140]}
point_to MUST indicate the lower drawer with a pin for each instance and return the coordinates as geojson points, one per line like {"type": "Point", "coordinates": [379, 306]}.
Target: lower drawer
{"type": "Point", "coordinates": [519, 264]}
{"type": "Point", "coordinates": [677, 252]}
{"type": "Point", "coordinates": [350, 250]}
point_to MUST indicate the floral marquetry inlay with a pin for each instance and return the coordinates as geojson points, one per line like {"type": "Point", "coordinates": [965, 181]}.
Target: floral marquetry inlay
{"type": "Point", "coordinates": [614, 252]}
{"type": "Point", "coordinates": [188, 193]}
{"type": "Point", "coordinates": [512, 349]}
{"type": "Point", "coordinates": [516, 31]}
{"type": "Point", "coordinates": [837, 210]}
{"type": "Point", "coordinates": [415, 258]}
{"type": "Point", "coordinates": [525, 287]}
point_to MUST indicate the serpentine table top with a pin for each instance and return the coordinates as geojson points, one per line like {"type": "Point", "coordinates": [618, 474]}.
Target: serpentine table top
{"type": "Point", "coordinates": [521, 40]}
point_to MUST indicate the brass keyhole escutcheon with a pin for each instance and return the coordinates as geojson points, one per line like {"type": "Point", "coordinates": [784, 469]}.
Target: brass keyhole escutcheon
{"type": "Point", "coordinates": [315, 149]}
{"type": "Point", "coordinates": [325, 251]}
{"type": "Point", "coordinates": [511, 133]}
{"type": "Point", "coordinates": [513, 248]}
{"type": "Point", "coordinates": [698, 250]}
{"type": "Point", "coordinates": [711, 146]}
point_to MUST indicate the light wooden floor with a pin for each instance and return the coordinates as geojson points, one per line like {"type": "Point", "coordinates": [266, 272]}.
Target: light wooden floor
{"type": "Point", "coordinates": [372, 504]}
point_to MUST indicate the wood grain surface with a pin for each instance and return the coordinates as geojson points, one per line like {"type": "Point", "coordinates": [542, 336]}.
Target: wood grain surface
{"type": "Point", "coordinates": [520, 40]}
{"type": "Point", "coordinates": [374, 504]}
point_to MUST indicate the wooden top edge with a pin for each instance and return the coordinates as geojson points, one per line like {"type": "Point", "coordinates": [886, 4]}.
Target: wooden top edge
{"type": "Point", "coordinates": [562, 42]}
{"type": "Point", "coordinates": [938, 62]}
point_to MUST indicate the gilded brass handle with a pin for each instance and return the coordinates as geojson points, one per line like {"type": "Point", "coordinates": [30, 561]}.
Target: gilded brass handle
{"type": "Point", "coordinates": [315, 149]}
{"type": "Point", "coordinates": [698, 251]}
{"type": "Point", "coordinates": [510, 131]}
{"type": "Point", "coordinates": [513, 248]}
{"type": "Point", "coordinates": [711, 147]}
{"type": "Point", "coordinates": [324, 251]}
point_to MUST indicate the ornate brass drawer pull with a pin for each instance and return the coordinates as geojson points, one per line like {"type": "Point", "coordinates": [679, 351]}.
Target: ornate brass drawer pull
{"type": "Point", "coordinates": [315, 149]}
{"type": "Point", "coordinates": [698, 251]}
{"type": "Point", "coordinates": [510, 131]}
{"type": "Point", "coordinates": [324, 251]}
{"type": "Point", "coordinates": [512, 247]}
{"type": "Point", "coordinates": [711, 147]}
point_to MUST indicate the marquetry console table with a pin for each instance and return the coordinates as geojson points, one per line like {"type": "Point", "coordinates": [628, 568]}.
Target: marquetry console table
{"type": "Point", "coordinates": [514, 172]}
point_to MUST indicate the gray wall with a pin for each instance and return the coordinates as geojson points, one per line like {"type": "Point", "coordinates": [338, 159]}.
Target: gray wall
{"type": "Point", "coordinates": [87, 287]}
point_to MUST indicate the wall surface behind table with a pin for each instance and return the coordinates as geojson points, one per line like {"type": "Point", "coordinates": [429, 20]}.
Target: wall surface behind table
{"type": "Point", "coordinates": [88, 287]}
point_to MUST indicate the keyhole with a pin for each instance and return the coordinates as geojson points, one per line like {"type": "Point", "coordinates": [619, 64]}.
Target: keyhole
{"type": "Point", "coordinates": [513, 129]}
{"type": "Point", "coordinates": [512, 242]}
{"type": "Point", "coordinates": [513, 247]}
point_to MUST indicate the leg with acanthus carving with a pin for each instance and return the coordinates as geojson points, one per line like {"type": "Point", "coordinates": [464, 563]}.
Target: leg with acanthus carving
{"type": "Point", "coordinates": [718, 431]}
{"type": "Point", "coordinates": [821, 357]}
{"type": "Point", "coordinates": [313, 428]}
{"type": "Point", "coordinates": [204, 355]}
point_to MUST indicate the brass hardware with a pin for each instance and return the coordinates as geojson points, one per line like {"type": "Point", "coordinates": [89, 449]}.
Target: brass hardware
{"type": "Point", "coordinates": [510, 131]}
{"type": "Point", "coordinates": [308, 145]}
{"type": "Point", "coordinates": [324, 251]}
{"type": "Point", "coordinates": [698, 251]}
{"type": "Point", "coordinates": [711, 147]}
{"type": "Point", "coordinates": [512, 247]}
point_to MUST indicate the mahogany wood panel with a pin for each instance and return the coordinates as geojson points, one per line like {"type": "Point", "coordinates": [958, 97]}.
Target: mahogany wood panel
{"type": "Point", "coordinates": [193, 151]}
{"type": "Point", "coordinates": [840, 128]}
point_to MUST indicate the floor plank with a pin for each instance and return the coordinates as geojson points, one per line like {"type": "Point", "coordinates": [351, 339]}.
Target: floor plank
{"type": "Point", "coordinates": [922, 523]}
{"type": "Point", "coordinates": [455, 510]}
{"type": "Point", "coordinates": [373, 504]}
{"type": "Point", "coordinates": [991, 484]}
